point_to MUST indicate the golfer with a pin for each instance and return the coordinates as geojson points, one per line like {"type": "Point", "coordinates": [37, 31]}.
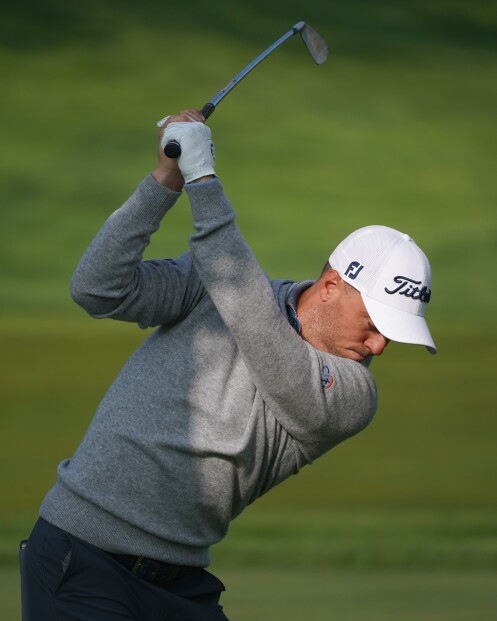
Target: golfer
{"type": "Point", "coordinates": [243, 382]}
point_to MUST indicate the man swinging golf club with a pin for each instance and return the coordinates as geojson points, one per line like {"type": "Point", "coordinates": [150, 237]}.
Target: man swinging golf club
{"type": "Point", "coordinates": [244, 381]}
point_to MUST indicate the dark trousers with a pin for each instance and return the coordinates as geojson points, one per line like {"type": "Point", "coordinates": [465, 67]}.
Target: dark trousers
{"type": "Point", "coordinates": [66, 579]}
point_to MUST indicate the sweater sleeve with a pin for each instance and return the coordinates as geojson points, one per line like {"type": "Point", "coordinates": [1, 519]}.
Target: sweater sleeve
{"type": "Point", "coordinates": [320, 399]}
{"type": "Point", "coordinates": [112, 280]}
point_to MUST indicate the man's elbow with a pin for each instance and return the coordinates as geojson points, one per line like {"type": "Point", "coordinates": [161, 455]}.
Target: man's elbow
{"type": "Point", "coordinates": [94, 304]}
{"type": "Point", "coordinates": [77, 290]}
{"type": "Point", "coordinates": [83, 298]}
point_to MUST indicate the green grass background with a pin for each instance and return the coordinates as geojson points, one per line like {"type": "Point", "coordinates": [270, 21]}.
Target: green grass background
{"type": "Point", "coordinates": [397, 128]}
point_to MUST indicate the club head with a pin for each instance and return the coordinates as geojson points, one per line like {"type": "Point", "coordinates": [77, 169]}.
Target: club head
{"type": "Point", "coordinates": [317, 46]}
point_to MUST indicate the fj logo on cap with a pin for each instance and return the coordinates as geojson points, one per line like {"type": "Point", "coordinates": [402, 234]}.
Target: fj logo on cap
{"type": "Point", "coordinates": [353, 270]}
{"type": "Point", "coordinates": [406, 287]}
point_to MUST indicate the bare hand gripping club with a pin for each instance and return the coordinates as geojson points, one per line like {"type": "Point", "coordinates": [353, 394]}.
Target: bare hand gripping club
{"type": "Point", "coordinates": [316, 45]}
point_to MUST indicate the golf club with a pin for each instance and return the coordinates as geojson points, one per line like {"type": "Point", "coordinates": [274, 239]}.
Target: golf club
{"type": "Point", "coordinates": [316, 45]}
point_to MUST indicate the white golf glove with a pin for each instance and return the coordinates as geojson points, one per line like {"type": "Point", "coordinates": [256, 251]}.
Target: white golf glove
{"type": "Point", "coordinates": [197, 149]}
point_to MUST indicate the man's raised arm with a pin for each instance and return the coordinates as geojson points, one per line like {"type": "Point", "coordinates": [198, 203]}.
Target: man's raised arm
{"type": "Point", "coordinates": [112, 280]}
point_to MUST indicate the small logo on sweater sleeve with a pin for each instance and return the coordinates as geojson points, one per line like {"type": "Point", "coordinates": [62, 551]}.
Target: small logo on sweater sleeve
{"type": "Point", "coordinates": [326, 377]}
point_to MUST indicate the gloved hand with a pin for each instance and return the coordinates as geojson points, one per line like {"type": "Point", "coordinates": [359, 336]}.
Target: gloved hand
{"type": "Point", "coordinates": [197, 149]}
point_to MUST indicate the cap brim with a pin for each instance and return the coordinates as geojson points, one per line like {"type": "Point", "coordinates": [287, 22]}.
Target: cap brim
{"type": "Point", "coordinates": [398, 325]}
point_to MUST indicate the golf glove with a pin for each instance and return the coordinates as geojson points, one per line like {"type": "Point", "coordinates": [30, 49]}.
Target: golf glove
{"type": "Point", "coordinates": [197, 149]}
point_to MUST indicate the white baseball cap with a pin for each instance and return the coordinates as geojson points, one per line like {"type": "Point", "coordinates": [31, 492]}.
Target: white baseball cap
{"type": "Point", "coordinates": [393, 276]}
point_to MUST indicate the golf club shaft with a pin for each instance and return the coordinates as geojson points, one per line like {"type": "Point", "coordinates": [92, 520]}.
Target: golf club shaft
{"type": "Point", "coordinates": [172, 148]}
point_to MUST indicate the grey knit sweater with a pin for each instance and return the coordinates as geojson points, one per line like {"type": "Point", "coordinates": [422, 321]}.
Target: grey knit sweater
{"type": "Point", "coordinates": [223, 401]}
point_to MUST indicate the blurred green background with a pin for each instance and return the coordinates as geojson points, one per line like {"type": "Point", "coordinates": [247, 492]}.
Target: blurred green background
{"type": "Point", "coordinates": [397, 128]}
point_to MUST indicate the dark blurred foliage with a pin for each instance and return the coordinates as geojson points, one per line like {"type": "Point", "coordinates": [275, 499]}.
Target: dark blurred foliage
{"type": "Point", "coordinates": [28, 25]}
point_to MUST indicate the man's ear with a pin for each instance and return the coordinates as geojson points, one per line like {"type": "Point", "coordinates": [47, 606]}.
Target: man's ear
{"type": "Point", "coordinates": [329, 284]}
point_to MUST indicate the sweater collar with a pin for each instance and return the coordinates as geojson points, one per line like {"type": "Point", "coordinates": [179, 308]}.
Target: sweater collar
{"type": "Point", "coordinates": [292, 301]}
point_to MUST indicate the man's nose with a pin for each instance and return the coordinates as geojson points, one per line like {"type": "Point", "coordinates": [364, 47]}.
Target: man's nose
{"type": "Point", "coordinates": [376, 343]}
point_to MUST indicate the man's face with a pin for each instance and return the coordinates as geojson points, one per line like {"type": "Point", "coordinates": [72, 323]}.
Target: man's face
{"type": "Point", "coordinates": [350, 331]}
{"type": "Point", "coordinates": [334, 319]}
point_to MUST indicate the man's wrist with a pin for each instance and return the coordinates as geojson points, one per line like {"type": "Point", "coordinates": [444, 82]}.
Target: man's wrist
{"type": "Point", "coordinates": [201, 179]}
{"type": "Point", "coordinates": [168, 179]}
